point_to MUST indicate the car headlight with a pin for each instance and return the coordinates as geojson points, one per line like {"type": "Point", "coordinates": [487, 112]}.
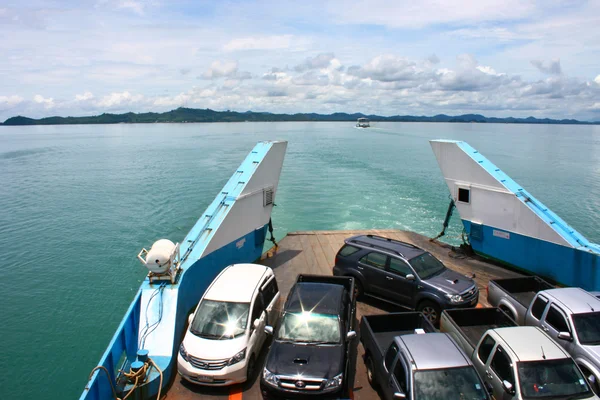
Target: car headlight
{"type": "Point", "coordinates": [454, 298]}
{"type": "Point", "coordinates": [270, 377]}
{"type": "Point", "coordinates": [334, 383]}
{"type": "Point", "coordinates": [183, 353]}
{"type": "Point", "coordinates": [237, 358]}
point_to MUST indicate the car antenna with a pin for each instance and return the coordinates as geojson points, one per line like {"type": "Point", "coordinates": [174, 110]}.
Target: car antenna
{"type": "Point", "coordinates": [543, 355]}
{"type": "Point", "coordinates": [592, 308]}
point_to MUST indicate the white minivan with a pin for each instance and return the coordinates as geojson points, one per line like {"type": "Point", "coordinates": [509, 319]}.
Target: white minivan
{"type": "Point", "coordinates": [226, 331]}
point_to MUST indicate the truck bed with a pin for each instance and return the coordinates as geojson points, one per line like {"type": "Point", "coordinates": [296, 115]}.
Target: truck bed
{"type": "Point", "coordinates": [523, 289]}
{"type": "Point", "coordinates": [472, 323]}
{"type": "Point", "coordinates": [382, 329]}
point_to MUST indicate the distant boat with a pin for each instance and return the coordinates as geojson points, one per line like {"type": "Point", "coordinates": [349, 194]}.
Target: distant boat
{"type": "Point", "coordinates": [363, 123]}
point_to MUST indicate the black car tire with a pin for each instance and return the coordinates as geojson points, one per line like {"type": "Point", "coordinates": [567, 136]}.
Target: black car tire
{"type": "Point", "coordinates": [358, 289]}
{"type": "Point", "coordinates": [431, 311]}
{"type": "Point", "coordinates": [251, 368]}
{"type": "Point", "coordinates": [370, 371]}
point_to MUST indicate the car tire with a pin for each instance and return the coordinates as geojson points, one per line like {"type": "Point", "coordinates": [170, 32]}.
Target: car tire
{"type": "Point", "coordinates": [251, 368]}
{"type": "Point", "coordinates": [370, 371]}
{"type": "Point", "coordinates": [358, 289]}
{"type": "Point", "coordinates": [431, 311]}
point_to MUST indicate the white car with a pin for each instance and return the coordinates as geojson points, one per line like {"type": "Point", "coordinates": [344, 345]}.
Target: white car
{"type": "Point", "coordinates": [226, 331]}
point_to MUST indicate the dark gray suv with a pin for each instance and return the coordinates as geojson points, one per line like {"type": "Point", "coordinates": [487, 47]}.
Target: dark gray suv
{"type": "Point", "coordinates": [404, 274]}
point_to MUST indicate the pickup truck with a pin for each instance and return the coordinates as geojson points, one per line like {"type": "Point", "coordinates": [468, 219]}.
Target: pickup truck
{"type": "Point", "coordinates": [311, 345]}
{"type": "Point", "coordinates": [518, 362]}
{"type": "Point", "coordinates": [514, 295]}
{"type": "Point", "coordinates": [570, 316]}
{"type": "Point", "coordinates": [405, 361]}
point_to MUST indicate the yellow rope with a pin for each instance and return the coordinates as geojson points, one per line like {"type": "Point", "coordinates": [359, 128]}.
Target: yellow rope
{"type": "Point", "coordinates": [132, 376]}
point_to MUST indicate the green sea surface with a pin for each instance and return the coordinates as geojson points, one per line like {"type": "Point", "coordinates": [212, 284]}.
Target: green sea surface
{"type": "Point", "coordinates": [77, 203]}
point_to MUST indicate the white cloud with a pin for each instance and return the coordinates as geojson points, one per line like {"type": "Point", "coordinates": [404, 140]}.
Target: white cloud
{"type": "Point", "coordinates": [221, 69]}
{"type": "Point", "coordinates": [552, 68]}
{"type": "Point", "coordinates": [8, 102]}
{"type": "Point", "coordinates": [84, 97]}
{"type": "Point", "coordinates": [135, 6]}
{"type": "Point", "coordinates": [47, 102]}
{"type": "Point", "coordinates": [320, 61]}
{"type": "Point", "coordinates": [488, 70]}
{"type": "Point", "coordinates": [120, 99]}
{"type": "Point", "coordinates": [597, 80]}
{"type": "Point", "coordinates": [260, 43]}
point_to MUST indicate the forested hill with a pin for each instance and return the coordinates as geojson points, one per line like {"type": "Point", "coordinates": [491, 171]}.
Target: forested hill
{"type": "Point", "coordinates": [199, 115]}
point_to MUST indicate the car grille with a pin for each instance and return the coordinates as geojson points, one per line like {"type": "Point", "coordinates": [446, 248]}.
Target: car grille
{"type": "Point", "coordinates": [300, 384]}
{"type": "Point", "coordinates": [212, 365]}
{"type": "Point", "coordinates": [470, 294]}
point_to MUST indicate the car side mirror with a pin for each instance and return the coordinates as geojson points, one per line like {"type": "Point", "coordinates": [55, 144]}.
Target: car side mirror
{"type": "Point", "coordinates": [508, 387]}
{"type": "Point", "coordinates": [269, 330]}
{"type": "Point", "coordinates": [399, 395]}
{"type": "Point", "coordinates": [256, 323]}
{"type": "Point", "coordinates": [565, 336]}
{"type": "Point", "coordinates": [190, 318]}
{"type": "Point", "coordinates": [410, 277]}
{"type": "Point", "coordinates": [350, 335]}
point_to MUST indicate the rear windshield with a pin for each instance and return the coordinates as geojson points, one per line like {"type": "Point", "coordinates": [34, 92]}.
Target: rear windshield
{"type": "Point", "coordinates": [348, 250]}
{"type": "Point", "coordinates": [551, 379]}
{"type": "Point", "coordinates": [308, 327]}
{"type": "Point", "coordinates": [449, 384]}
{"type": "Point", "coordinates": [220, 320]}
{"type": "Point", "coordinates": [426, 265]}
{"type": "Point", "coordinates": [588, 328]}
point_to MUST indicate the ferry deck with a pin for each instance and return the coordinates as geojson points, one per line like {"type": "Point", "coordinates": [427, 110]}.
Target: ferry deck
{"type": "Point", "coordinates": [313, 252]}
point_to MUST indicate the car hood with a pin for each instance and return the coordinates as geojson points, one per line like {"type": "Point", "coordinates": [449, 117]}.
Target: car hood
{"type": "Point", "coordinates": [319, 362]}
{"type": "Point", "coordinates": [451, 282]}
{"type": "Point", "coordinates": [209, 349]}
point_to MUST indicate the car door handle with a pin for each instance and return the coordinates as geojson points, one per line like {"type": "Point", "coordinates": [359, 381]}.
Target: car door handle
{"type": "Point", "coordinates": [545, 329]}
{"type": "Point", "coordinates": [487, 373]}
{"type": "Point", "coordinates": [389, 278]}
{"type": "Point", "coordinates": [359, 267]}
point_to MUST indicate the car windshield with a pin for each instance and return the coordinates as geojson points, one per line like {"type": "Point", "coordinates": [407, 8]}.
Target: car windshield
{"type": "Point", "coordinates": [587, 327]}
{"type": "Point", "coordinates": [551, 379]}
{"type": "Point", "coordinates": [309, 327]}
{"type": "Point", "coordinates": [220, 320]}
{"type": "Point", "coordinates": [449, 384]}
{"type": "Point", "coordinates": [426, 265]}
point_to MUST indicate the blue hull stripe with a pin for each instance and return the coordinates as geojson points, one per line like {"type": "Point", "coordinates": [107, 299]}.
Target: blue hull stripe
{"type": "Point", "coordinates": [564, 265]}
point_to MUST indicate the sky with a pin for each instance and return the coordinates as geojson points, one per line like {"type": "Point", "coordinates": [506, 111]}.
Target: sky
{"type": "Point", "coordinates": [497, 58]}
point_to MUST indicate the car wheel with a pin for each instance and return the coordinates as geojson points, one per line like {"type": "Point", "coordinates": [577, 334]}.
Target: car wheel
{"type": "Point", "coordinates": [431, 311]}
{"type": "Point", "coordinates": [251, 367]}
{"type": "Point", "coordinates": [358, 289]}
{"type": "Point", "coordinates": [370, 369]}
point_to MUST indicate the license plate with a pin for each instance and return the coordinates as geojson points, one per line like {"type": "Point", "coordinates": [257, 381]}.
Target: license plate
{"type": "Point", "coordinates": [204, 378]}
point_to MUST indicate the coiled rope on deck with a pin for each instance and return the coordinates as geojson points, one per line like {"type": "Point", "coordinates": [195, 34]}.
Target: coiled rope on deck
{"type": "Point", "coordinates": [137, 377]}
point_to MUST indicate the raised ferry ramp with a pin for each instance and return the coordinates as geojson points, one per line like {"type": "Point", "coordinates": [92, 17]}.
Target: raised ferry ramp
{"type": "Point", "coordinates": [313, 252]}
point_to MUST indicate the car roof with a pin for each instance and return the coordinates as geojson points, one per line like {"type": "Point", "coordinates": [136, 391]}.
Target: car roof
{"type": "Point", "coordinates": [237, 283]}
{"type": "Point", "coordinates": [404, 249]}
{"type": "Point", "coordinates": [434, 351]}
{"type": "Point", "coordinates": [529, 343]}
{"type": "Point", "coordinates": [321, 298]}
{"type": "Point", "coordinates": [576, 300]}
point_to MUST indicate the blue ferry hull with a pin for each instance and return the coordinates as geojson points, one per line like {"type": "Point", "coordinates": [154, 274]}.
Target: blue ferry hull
{"type": "Point", "coordinates": [561, 264]}
{"type": "Point", "coordinates": [231, 230]}
{"type": "Point", "coordinates": [506, 223]}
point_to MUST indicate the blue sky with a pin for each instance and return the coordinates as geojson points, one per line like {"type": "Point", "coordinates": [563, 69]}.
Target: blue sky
{"type": "Point", "coordinates": [497, 58]}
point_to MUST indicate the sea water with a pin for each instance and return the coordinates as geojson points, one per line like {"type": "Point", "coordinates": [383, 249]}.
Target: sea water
{"type": "Point", "coordinates": [77, 203]}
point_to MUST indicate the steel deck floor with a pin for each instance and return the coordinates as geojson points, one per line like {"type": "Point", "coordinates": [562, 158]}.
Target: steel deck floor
{"type": "Point", "coordinates": [313, 252]}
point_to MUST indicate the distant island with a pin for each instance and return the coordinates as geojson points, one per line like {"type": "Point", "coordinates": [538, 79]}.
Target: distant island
{"type": "Point", "coordinates": [183, 115]}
